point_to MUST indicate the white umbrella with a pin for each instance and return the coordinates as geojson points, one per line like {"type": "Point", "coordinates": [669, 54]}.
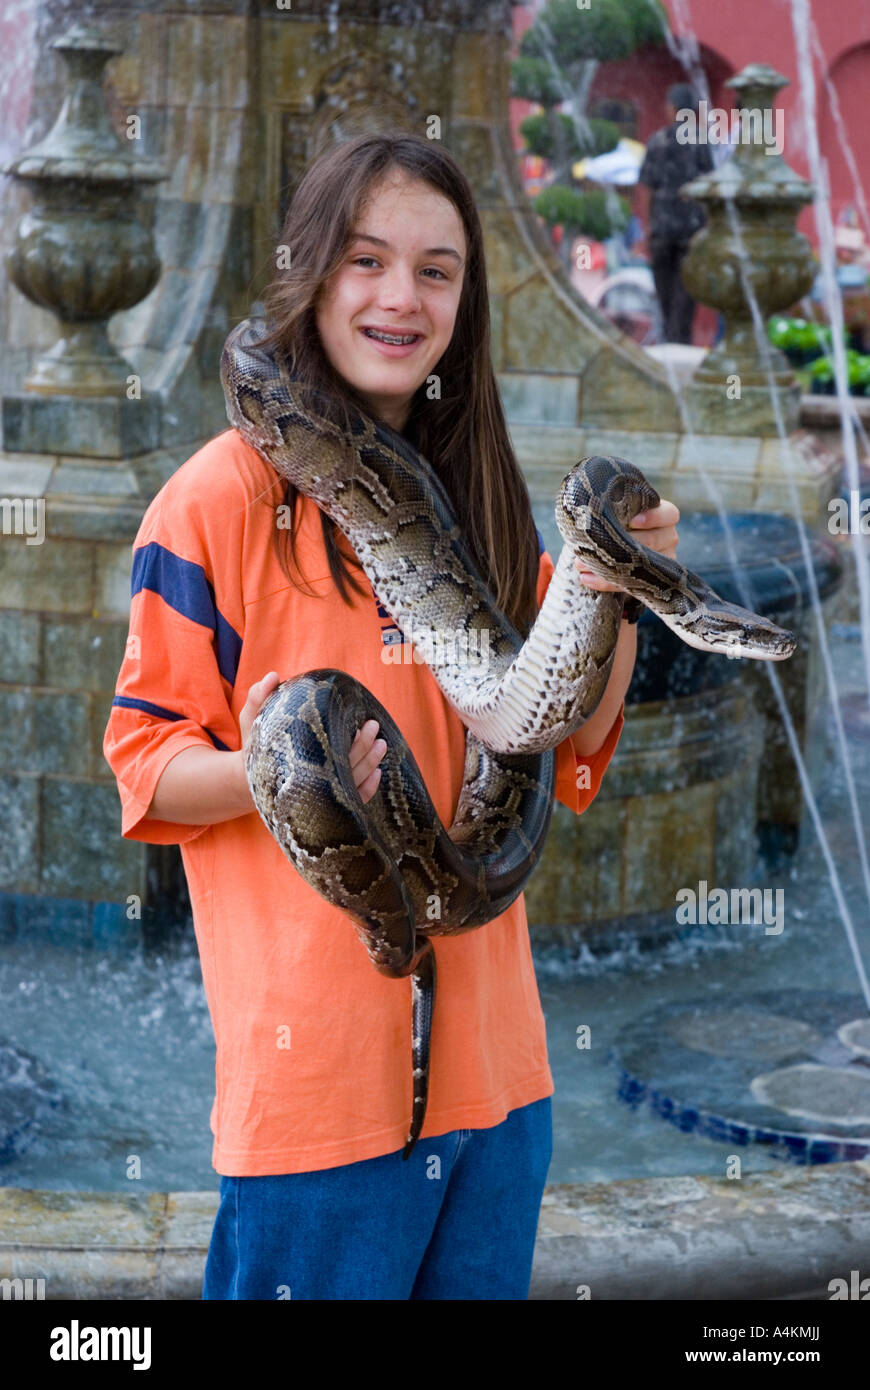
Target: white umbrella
{"type": "Point", "coordinates": [619, 166]}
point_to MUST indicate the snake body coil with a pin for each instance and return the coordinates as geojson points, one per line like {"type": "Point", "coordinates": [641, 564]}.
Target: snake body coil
{"type": "Point", "coordinates": [390, 864]}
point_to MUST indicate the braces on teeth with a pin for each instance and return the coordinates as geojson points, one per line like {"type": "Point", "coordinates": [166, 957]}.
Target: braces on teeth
{"type": "Point", "coordinates": [400, 340]}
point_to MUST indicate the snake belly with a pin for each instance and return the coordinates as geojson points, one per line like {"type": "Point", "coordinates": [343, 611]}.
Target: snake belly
{"type": "Point", "coordinates": [391, 865]}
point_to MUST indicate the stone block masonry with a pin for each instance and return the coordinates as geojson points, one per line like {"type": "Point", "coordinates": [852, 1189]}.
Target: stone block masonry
{"type": "Point", "coordinates": [66, 874]}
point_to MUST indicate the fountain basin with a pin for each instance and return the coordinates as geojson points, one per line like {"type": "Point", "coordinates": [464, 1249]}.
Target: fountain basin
{"type": "Point", "coordinates": [677, 805]}
{"type": "Point", "coordinates": [768, 1069]}
{"type": "Point", "coordinates": [703, 775]}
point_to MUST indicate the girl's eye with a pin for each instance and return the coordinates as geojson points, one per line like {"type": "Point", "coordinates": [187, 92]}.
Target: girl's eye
{"type": "Point", "coordinates": [372, 260]}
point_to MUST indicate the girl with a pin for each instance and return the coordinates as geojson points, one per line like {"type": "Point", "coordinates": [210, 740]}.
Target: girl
{"type": "Point", "coordinates": [239, 581]}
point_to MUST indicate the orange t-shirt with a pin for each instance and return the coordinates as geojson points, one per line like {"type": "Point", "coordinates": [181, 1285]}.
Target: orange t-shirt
{"type": "Point", "coordinates": [313, 1062]}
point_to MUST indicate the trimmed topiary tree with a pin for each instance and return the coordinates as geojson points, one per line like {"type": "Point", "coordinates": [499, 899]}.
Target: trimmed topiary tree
{"type": "Point", "coordinates": [599, 137]}
{"type": "Point", "coordinates": [559, 57]}
{"type": "Point", "coordinates": [596, 213]}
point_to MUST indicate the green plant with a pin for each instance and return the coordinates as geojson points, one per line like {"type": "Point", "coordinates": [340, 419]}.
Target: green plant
{"type": "Point", "coordinates": [537, 131]}
{"type": "Point", "coordinates": [862, 373]}
{"type": "Point", "coordinates": [780, 331]}
{"type": "Point", "coordinates": [801, 340]}
{"type": "Point", "coordinates": [820, 333]}
{"type": "Point", "coordinates": [559, 56]}
{"type": "Point", "coordinates": [857, 371]}
{"type": "Point", "coordinates": [607, 30]}
{"type": "Point", "coordinates": [596, 214]}
{"type": "Point", "coordinates": [822, 369]}
{"type": "Point", "coordinates": [534, 80]}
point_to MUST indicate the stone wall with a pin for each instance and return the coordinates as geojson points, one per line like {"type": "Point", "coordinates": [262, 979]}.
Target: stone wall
{"type": "Point", "coordinates": [65, 872]}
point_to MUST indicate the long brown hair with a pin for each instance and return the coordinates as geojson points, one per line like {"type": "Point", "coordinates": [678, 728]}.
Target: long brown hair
{"type": "Point", "coordinates": [463, 434]}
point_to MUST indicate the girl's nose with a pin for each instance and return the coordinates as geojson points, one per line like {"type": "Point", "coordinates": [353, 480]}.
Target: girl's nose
{"type": "Point", "coordinates": [399, 290]}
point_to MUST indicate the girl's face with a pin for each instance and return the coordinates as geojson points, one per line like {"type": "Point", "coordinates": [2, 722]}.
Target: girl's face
{"type": "Point", "coordinates": [401, 276]}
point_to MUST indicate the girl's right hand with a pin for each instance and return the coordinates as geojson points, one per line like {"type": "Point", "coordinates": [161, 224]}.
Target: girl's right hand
{"type": "Point", "coordinates": [365, 753]}
{"type": "Point", "coordinates": [257, 696]}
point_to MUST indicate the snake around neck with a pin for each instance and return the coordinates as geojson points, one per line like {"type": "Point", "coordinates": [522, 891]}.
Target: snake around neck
{"type": "Point", "coordinates": [390, 864]}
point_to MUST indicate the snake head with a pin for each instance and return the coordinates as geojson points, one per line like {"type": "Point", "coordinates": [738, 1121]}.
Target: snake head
{"type": "Point", "coordinates": [736, 632]}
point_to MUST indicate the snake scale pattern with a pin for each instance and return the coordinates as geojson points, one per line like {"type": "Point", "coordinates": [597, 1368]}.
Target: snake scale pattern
{"type": "Point", "coordinates": [391, 865]}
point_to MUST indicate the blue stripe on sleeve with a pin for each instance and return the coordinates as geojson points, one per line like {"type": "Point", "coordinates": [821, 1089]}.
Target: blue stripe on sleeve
{"type": "Point", "coordinates": [127, 702]}
{"type": "Point", "coordinates": [540, 541]}
{"type": "Point", "coordinates": [183, 586]}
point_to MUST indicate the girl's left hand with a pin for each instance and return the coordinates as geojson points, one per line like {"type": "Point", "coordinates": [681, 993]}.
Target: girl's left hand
{"type": "Point", "coordinates": [659, 528]}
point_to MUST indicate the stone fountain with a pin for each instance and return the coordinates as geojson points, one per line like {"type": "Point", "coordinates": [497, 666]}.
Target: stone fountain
{"type": "Point", "coordinates": [232, 103]}
{"type": "Point", "coordinates": [80, 251]}
{"type": "Point", "coordinates": [756, 245]}
{"type": "Point", "coordinates": [223, 103]}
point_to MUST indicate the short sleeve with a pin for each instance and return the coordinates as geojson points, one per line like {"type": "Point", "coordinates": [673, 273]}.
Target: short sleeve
{"type": "Point", "coordinates": [174, 689]}
{"type": "Point", "coordinates": [578, 777]}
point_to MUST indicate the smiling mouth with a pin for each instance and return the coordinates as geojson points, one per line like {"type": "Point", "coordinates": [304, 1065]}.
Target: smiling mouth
{"type": "Point", "coordinates": [396, 339]}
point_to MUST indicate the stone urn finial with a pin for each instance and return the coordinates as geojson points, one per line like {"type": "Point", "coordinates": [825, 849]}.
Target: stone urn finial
{"type": "Point", "coordinates": [81, 250]}
{"type": "Point", "coordinates": [766, 197]}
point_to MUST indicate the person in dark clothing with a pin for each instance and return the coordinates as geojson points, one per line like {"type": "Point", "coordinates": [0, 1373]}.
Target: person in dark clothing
{"type": "Point", "coordinates": [673, 220]}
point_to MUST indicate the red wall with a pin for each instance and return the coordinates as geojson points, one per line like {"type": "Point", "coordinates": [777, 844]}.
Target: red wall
{"type": "Point", "coordinates": [732, 33]}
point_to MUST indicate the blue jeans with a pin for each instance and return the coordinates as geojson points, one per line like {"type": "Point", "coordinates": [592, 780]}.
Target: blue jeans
{"type": "Point", "coordinates": [457, 1220]}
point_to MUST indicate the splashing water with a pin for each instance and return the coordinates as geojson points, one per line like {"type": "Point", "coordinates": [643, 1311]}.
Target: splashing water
{"type": "Point", "coordinates": [684, 46]}
{"type": "Point", "coordinates": [576, 98]}
{"type": "Point", "coordinates": [831, 294]}
{"type": "Point", "coordinates": [836, 884]}
{"type": "Point", "coordinates": [686, 49]}
{"type": "Point", "coordinates": [842, 133]}
{"type": "Point", "coordinates": [17, 62]}
{"type": "Point", "coordinates": [747, 600]}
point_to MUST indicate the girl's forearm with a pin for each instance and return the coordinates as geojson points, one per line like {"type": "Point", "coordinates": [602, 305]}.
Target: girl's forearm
{"type": "Point", "coordinates": [589, 738]}
{"type": "Point", "coordinates": [202, 786]}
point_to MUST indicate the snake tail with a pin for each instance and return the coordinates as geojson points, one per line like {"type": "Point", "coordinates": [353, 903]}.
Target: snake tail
{"type": "Point", "coordinates": [422, 1009]}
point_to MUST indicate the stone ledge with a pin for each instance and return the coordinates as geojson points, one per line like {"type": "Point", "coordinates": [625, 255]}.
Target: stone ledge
{"type": "Point", "coordinates": [88, 426]}
{"type": "Point", "coordinates": [748, 473]}
{"type": "Point", "coordinates": [772, 1235]}
{"type": "Point", "coordinates": [823, 412]}
{"type": "Point", "coordinates": [90, 499]}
